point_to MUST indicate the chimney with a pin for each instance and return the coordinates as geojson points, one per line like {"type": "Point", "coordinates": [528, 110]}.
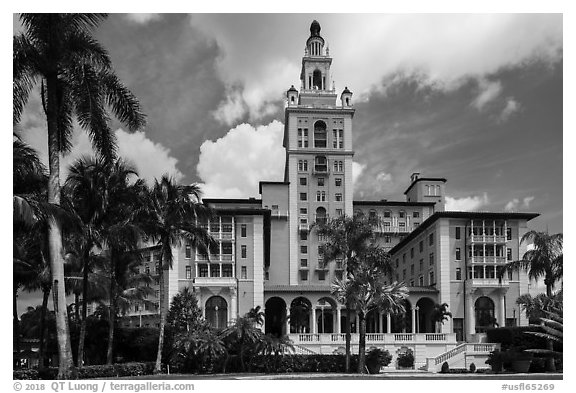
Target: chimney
{"type": "Point", "coordinates": [414, 176]}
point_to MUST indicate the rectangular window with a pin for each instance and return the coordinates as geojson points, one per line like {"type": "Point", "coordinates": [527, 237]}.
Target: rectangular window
{"type": "Point", "coordinates": [416, 214]}
{"type": "Point", "coordinates": [303, 181]}
{"type": "Point", "coordinates": [302, 137]}
{"type": "Point", "coordinates": [411, 283]}
{"type": "Point", "coordinates": [412, 269]}
{"type": "Point", "coordinates": [227, 248]}
{"type": "Point", "coordinates": [147, 256]}
{"type": "Point", "coordinates": [338, 197]}
{"type": "Point", "coordinates": [303, 196]}
{"type": "Point", "coordinates": [431, 278]}
{"type": "Point", "coordinates": [243, 272]}
{"type": "Point", "coordinates": [458, 234]}
{"type": "Point", "coordinates": [421, 281]}
{"type": "Point", "coordinates": [320, 182]}
{"type": "Point", "coordinates": [243, 228]}
{"type": "Point", "coordinates": [387, 239]}
{"type": "Point", "coordinates": [402, 226]}
{"type": "Point", "coordinates": [321, 275]}
{"type": "Point", "coordinates": [303, 210]}
{"type": "Point", "coordinates": [188, 272]}
{"type": "Point", "coordinates": [412, 252]}
{"type": "Point", "coordinates": [458, 254]}
{"type": "Point", "coordinates": [340, 166]}
{"type": "Point", "coordinates": [188, 252]}
{"type": "Point", "coordinates": [458, 274]}
{"type": "Point", "coordinates": [404, 258]}
{"type": "Point", "coordinates": [416, 225]}
{"type": "Point", "coordinates": [402, 214]}
{"type": "Point", "coordinates": [510, 275]}
{"type": "Point", "coordinates": [215, 270]}
{"type": "Point", "coordinates": [508, 233]}
{"type": "Point", "coordinates": [421, 246]}
{"type": "Point", "coordinates": [403, 274]}
{"type": "Point", "coordinates": [386, 226]}
{"type": "Point", "coordinates": [431, 258]}
{"type": "Point", "coordinates": [387, 214]}
{"type": "Point", "coordinates": [202, 270]}
{"type": "Point", "coordinates": [431, 239]}
{"type": "Point", "coordinates": [304, 249]}
{"type": "Point", "coordinates": [244, 251]}
{"type": "Point", "coordinates": [304, 275]}
{"type": "Point", "coordinates": [303, 262]}
{"type": "Point", "coordinates": [421, 263]}
{"type": "Point", "coordinates": [338, 181]}
{"type": "Point", "coordinates": [508, 254]}
{"type": "Point", "coordinates": [226, 270]}
{"type": "Point", "coordinates": [339, 212]}
{"type": "Point", "coordinates": [303, 235]}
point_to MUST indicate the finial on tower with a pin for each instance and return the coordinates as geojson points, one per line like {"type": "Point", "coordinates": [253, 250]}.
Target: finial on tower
{"type": "Point", "coordinates": [315, 28]}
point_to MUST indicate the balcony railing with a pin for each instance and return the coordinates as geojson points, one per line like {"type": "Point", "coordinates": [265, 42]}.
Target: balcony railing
{"type": "Point", "coordinates": [487, 259]}
{"type": "Point", "coordinates": [320, 170]}
{"type": "Point", "coordinates": [373, 338]}
{"type": "Point", "coordinates": [487, 238]}
{"type": "Point", "coordinates": [490, 282]}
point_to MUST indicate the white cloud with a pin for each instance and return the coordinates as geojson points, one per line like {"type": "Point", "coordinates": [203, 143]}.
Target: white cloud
{"type": "Point", "coordinates": [512, 106]}
{"type": "Point", "coordinates": [515, 204]}
{"type": "Point", "coordinates": [444, 48]}
{"type": "Point", "coordinates": [232, 166]}
{"type": "Point", "coordinates": [489, 91]}
{"type": "Point", "coordinates": [151, 159]}
{"type": "Point", "coordinates": [384, 177]}
{"type": "Point", "coordinates": [142, 18]}
{"type": "Point", "coordinates": [471, 203]}
{"type": "Point", "coordinates": [357, 170]}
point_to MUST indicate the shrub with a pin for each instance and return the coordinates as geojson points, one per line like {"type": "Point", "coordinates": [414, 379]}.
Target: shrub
{"type": "Point", "coordinates": [515, 337]}
{"type": "Point", "coordinates": [303, 364]}
{"type": "Point", "coordinates": [445, 368]}
{"type": "Point", "coordinates": [378, 356]}
{"type": "Point", "coordinates": [25, 374]}
{"type": "Point", "coordinates": [472, 367]}
{"type": "Point", "coordinates": [406, 359]}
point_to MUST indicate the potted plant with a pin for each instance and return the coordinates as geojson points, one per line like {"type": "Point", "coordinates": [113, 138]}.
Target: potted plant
{"type": "Point", "coordinates": [377, 358]}
{"type": "Point", "coordinates": [406, 360]}
{"type": "Point", "coordinates": [521, 360]}
{"type": "Point", "coordinates": [495, 360]}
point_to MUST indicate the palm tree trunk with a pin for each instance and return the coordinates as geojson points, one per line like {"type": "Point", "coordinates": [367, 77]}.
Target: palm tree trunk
{"type": "Point", "coordinates": [45, 296]}
{"type": "Point", "coordinates": [82, 337]}
{"type": "Point", "coordinates": [362, 343]}
{"type": "Point", "coordinates": [66, 367]}
{"type": "Point", "coordinates": [76, 307]}
{"type": "Point", "coordinates": [348, 338]}
{"type": "Point", "coordinates": [158, 365]}
{"type": "Point", "coordinates": [16, 320]}
{"type": "Point", "coordinates": [112, 315]}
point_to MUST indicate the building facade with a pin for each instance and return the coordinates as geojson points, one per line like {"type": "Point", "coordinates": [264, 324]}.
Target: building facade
{"type": "Point", "coordinates": [268, 255]}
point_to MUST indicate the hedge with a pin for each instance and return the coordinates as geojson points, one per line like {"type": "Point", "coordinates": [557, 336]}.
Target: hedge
{"type": "Point", "coordinates": [304, 363]}
{"type": "Point", "coordinates": [87, 372]}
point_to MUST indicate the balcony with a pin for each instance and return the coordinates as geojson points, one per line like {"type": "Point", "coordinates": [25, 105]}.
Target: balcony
{"type": "Point", "coordinates": [498, 239]}
{"type": "Point", "coordinates": [487, 259]}
{"type": "Point", "coordinates": [320, 170]}
{"type": "Point", "coordinates": [214, 281]}
{"type": "Point", "coordinates": [490, 282]}
{"type": "Point", "coordinates": [373, 338]}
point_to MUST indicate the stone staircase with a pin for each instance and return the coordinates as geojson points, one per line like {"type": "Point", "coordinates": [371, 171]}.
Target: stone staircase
{"type": "Point", "coordinates": [461, 357]}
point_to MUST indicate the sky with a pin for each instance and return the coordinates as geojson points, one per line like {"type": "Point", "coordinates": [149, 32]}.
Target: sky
{"type": "Point", "coordinates": [474, 98]}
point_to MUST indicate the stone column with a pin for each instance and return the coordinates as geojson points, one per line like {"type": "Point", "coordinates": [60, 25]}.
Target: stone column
{"type": "Point", "coordinates": [388, 323]}
{"type": "Point", "coordinates": [338, 319]}
{"type": "Point", "coordinates": [413, 319]}
{"type": "Point", "coordinates": [313, 324]}
{"type": "Point", "coordinates": [234, 301]}
{"type": "Point", "coordinates": [287, 320]}
{"type": "Point", "coordinates": [380, 322]}
{"type": "Point", "coordinates": [357, 323]}
{"type": "Point", "coordinates": [501, 310]}
{"type": "Point", "coordinates": [471, 317]}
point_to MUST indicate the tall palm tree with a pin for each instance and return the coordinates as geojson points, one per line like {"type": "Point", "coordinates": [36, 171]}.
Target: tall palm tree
{"type": "Point", "coordinates": [440, 314]}
{"type": "Point", "coordinates": [96, 191]}
{"type": "Point", "coordinates": [347, 239]}
{"type": "Point", "coordinates": [171, 215]}
{"type": "Point", "coordinates": [76, 79]}
{"type": "Point", "coordinates": [543, 260]}
{"type": "Point", "coordinates": [537, 306]}
{"type": "Point", "coordinates": [366, 290]}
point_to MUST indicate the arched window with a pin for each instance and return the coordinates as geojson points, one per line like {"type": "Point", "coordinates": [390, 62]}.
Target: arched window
{"type": "Point", "coordinates": [320, 134]}
{"type": "Point", "coordinates": [321, 215]}
{"type": "Point", "coordinates": [484, 311]}
{"type": "Point", "coordinates": [217, 312]}
{"type": "Point", "coordinates": [317, 79]}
